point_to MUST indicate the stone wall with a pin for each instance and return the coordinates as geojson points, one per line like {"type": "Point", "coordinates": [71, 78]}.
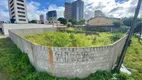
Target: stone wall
{"type": "Point", "coordinates": [6, 27]}
{"type": "Point", "coordinates": [67, 61]}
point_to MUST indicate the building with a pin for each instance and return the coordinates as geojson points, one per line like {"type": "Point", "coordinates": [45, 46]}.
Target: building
{"type": "Point", "coordinates": [78, 10]}
{"type": "Point", "coordinates": [17, 11]}
{"type": "Point", "coordinates": [68, 10]}
{"type": "Point", "coordinates": [102, 21]}
{"type": "Point", "coordinates": [99, 13]}
{"type": "Point", "coordinates": [74, 10]}
{"type": "Point", "coordinates": [51, 15]}
{"type": "Point", "coordinates": [41, 17]}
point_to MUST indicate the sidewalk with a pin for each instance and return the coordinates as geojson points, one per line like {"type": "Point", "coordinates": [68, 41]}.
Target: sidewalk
{"type": "Point", "coordinates": [1, 36]}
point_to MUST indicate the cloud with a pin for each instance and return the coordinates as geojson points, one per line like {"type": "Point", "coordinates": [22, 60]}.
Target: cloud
{"type": "Point", "coordinates": [4, 15]}
{"type": "Point", "coordinates": [111, 7]}
{"type": "Point", "coordinates": [3, 4]}
{"type": "Point", "coordinates": [34, 11]}
{"type": "Point", "coordinates": [60, 10]}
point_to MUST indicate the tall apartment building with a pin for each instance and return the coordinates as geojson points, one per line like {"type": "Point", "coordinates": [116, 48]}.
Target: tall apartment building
{"type": "Point", "coordinates": [78, 10]}
{"type": "Point", "coordinates": [51, 15]}
{"type": "Point", "coordinates": [68, 10]}
{"type": "Point", "coordinates": [18, 11]}
{"type": "Point", "coordinates": [74, 10]}
{"type": "Point", "coordinates": [41, 17]}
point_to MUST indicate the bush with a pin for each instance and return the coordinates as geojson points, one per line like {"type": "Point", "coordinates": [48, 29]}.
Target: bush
{"type": "Point", "coordinates": [64, 39]}
{"type": "Point", "coordinates": [116, 36]}
{"type": "Point", "coordinates": [69, 25]}
{"type": "Point", "coordinates": [62, 21]}
{"type": "Point", "coordinates": [117, 23]}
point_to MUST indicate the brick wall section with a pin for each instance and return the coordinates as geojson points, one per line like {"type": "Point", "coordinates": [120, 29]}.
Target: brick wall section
{"type": "Point", "coordinates": [68, 61]}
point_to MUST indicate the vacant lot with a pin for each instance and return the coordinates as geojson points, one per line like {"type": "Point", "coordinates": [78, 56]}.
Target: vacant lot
{"type": "Point", "coordinates": [64, 39]}
{"type": "Point", "coordinates": [15, 66]}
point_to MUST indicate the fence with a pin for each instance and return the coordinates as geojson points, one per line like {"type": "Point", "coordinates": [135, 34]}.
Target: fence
{"type": "Point", "coordinates": [67, 61]}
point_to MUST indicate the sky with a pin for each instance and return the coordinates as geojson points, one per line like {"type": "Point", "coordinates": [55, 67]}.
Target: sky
{"type": "Point", "coordinates": [111, 8]}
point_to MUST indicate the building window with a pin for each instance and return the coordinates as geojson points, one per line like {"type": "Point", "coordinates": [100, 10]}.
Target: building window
{"type": "Point", "coordinates": [22, 20]}
{"type": "Point", "coordinates": [20, 8]}
{"type": "Point", "coordinates": [12, 5]}
{"type": "Point", "coordinates": [20, 0]}
{"type": "Point", "coordinates": [12, 9]}
{"type": "Point", "coordinates": [20, 4]}
{"type": "Point", "coordinates": [21, 16]}
{"type": "Point", "coordinates": [12, 13]}
{"type": "Point", "coordinates": [11, 1]}
{"type": "Point", "coordinates": [21, 12]}
{"type": "Point", "coordinates": [13, 17]}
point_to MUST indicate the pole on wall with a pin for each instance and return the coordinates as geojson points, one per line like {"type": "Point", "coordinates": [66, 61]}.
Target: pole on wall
{"type": "Point", "coordinates": [128, 40]}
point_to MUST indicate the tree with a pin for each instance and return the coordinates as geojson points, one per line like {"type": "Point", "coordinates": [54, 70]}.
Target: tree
{"type": "Point", "coordinates": [117, 23]}
{"type": "Point", "coordinates": [69, 24]}
{"type": "Point", "coordinates": [81, 22]}
{"type": "Point", "coordinates": [33, 21]}
{"type": "Point", "coordinates": [138, 27]}
{"type": "Point", "coordinates": [62, 21]}
{"type": "Point", "coordinates": [73, 21]}
{"type": "Point", "coordinates": [128, 21]}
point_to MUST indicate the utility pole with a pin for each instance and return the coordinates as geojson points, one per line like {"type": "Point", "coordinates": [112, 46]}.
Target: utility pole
{"type": "Point", "coordinates": [128, 40]}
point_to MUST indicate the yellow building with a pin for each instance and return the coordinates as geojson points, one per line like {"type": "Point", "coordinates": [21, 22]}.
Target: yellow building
{"type": "Point", "coordinates": [102, 21]}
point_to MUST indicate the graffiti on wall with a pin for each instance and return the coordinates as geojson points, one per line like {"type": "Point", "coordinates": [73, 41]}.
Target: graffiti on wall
{"type": "Point", "coordinates": [84, 56]}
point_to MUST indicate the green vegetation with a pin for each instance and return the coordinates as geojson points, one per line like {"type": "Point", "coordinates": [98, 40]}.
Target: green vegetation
{"type": "Point", "coordinates": [33, 21]}
{"type": "Point", "coordinates": [16, 66]}
{"type": "Point", "coordinates": [62, 20]}
{"type": "Point", "coordinates": [117, 23]}
{"type": "Point", "coordinates": [75, 22]}
{"type": "Point", "coordinates": [64, 39]}
{"type": "Point", "coordinates": [133, 59]}
{"type": "Point", "coordinates": [128, 22]}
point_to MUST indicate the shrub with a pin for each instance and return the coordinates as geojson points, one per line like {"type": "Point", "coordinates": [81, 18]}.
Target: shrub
{"type": "Point", "coordinates": [117, 23]}
{"type": "Point", "coordinates": [116, 36]}
{"type": "Point", "coordinates": [69, 25]}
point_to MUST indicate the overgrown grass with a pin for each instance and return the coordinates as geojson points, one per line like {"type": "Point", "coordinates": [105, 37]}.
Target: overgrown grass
{"type": "Point", "coordinates": [16, 66]}
{"type": "Point", "coordinates": [64, 39]}
{"type": "Point", "coordinates": [133, 59]}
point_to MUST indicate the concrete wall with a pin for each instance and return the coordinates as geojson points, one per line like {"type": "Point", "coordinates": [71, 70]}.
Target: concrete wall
{"type": "Point", "coordinates": [67, 61]}
{"type": "Point", "coordinates": [1, 24]}
{"type": "Point", "coordinates": [7, 27]}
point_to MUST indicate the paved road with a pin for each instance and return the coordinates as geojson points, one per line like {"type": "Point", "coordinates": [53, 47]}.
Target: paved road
{"type": "Point", "coordinates": [3, 36]}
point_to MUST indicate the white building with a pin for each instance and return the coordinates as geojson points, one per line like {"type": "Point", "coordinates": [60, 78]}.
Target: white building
{"type": "Point", "coordinates": [41, 17]}
{"type": "Point", "coordinates": [18, 11]}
